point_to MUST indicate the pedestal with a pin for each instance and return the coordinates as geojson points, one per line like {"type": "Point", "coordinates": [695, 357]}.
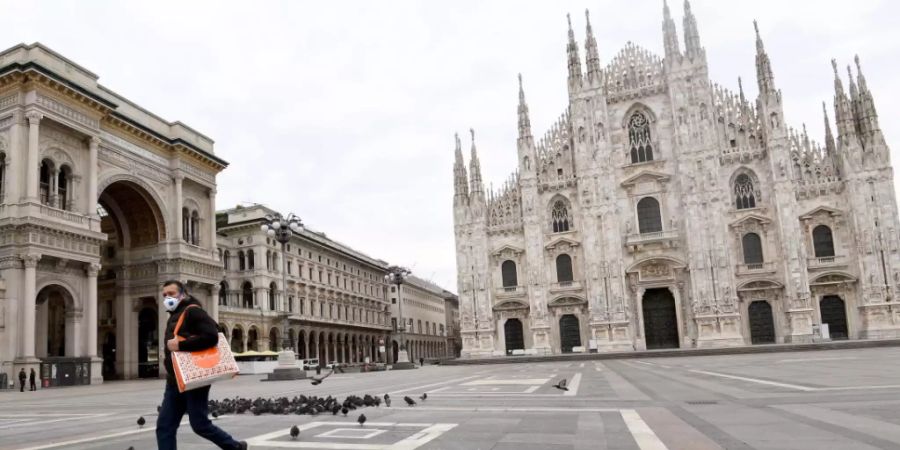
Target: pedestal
{"type": "Point", "coordinates": [403, 361]}
{"type": "Point", "coordinates": [287, 368]}
{"type": "Point", "coordinates": [97, 370]}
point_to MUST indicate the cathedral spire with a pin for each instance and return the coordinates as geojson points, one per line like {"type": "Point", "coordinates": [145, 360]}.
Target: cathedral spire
{"type": "Point", "coordinates": [477, 188]}
{"type": "Point", "coordinates": [590, 50]}
{"type": "Point", "coordinates": [868, 115]}
{"type": "Point", "coordinates": [829, 138]}
{"type": "Point", "coordinates": [691, 35]}
{"type": "Point", "coordinates": [524, 120]}
{"type": "Point", "coordinates": [460, 178]}
{"type": "Point", "coordinates": [574, 60]}
{"type": "Point", "coordinates": [670, 34]}
{"type": "Point", "coordinates": [764, 76]}
{"type": "Point", "coordinates": [843, 112]}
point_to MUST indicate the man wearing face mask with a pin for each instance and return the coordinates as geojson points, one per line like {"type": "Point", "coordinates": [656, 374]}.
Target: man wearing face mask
{"type": "Point", "coordinates": [200, 332]}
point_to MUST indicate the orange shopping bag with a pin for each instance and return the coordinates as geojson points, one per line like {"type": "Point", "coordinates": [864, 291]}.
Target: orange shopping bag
{"type": "Point", "coordinates": [203, 367]}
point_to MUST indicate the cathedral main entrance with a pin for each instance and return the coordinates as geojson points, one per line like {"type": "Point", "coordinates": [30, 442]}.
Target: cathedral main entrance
{"type": "Point", "coordinates": [835, 315]}
{"type": "Point", "coordinates": [660, 319]}
{"type": "Point", "coordinates": [513, 335]}
{"type": "Point", "coordinates": [569, 333]}
{"type": "Point", "coordinates": [762, 325]}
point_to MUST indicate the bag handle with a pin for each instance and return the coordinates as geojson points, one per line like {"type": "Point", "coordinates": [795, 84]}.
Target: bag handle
{"type": "Point", "coordinates": [181, 319]}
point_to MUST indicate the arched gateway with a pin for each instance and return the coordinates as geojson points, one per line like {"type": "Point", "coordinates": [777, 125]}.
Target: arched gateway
{"type": "Point", "coordinates": [97, 194]}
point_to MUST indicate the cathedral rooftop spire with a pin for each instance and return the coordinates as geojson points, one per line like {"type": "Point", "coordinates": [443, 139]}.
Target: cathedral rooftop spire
{"type": "Point", "coordinates": [524, 119]}
{"type": "Point", "coordinates": [691, 34]}
{"type": "Point", "coordinates": [867, 115]}
{"type": "Point", "coordinates": [574, 59]}
{"type": "Point", "coordinates": [670, 34]}
{"type": "Point", "coordinates": [460, 178]}
{"type": "Point", "coordinates": [829, 138]}
{"type": "Point", "coordinates": [764, 76]}
{"type": "Point", "coordinates": [475, 169]}
{"type": "Point", "coordinates": [590, 50]}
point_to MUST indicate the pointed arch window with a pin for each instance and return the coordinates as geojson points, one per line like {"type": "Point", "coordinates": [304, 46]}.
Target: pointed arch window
{"type": "Point", "coordinates": [508, 270]}
{"type": "Point", "coordinates": [649, 218]}
{"type": "Point", "coordinates": [823, 241]}
{"type": "Point", "coordinates": [561, 221]}
{"type": "Point", "coordinates": [744, 192]}
{"type": "Point", "coordinates": [564, 269]}
{"type": "Point", "coordinates": [639, 138]}
{"type": "Point", "coordinates": [752, 246]}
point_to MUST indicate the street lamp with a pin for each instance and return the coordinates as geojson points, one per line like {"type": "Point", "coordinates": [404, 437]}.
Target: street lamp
{"type": "Point", "coordinates": [397, 275]}
{"type": "Point", "coordinates": [282, 229]}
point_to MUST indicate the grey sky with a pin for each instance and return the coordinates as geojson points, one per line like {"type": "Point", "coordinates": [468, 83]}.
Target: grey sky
{"type": "Point", "coordinates": [344, 112]}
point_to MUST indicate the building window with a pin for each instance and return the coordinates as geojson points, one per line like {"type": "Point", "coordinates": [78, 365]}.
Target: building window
{"type": "Point", "coordinates": [394, 324]}
{"type": "Point", "coordinates": [223, 293]}
{"type": "Point", "coordinates": [62, 187]}
{"type": "Point", "coordinates": [752, 246]}
{"type": "Point", "coordinates": [302, 308]}
{"type": "Point", "coordinates": [823, 241]}
{"type": "Point", "coordinates": [744, 194]}
{"type": "Point", "coordinates": [195, 228]}
{"type": "Point", "coordinates": [290, 267]}
{"type": "Point", "coordinates": [649, 219]}
{"type": "Point", "coordinates": [560, 217]}
{"type": "Point", "coordinates": [45, 177]}
{"type": "Point", "coordinates": [290, 304]}
{"type": "Point", "coordinates": [393, 288]}
{"type": "Point", "coordinates": [508, 272]}
{"type": "Point", "coordinates": [2, 177]}
{"type": "Point", "coordinates": [639, 138]}
{"type": "Point", "coordinates": [247, 295]}
{"type": "Point", "coordinates": [564, 268]}
{"type": "Point", "coordinates": [250, 260]}
{"type": "Point", "coordinates": [226, 257]}
{"type": "Point", "coordinates": [242, 264]}
{"type": "Point", "coordinates": [394, 300]}
{"type": "Point", "coordinates": [272, 289]}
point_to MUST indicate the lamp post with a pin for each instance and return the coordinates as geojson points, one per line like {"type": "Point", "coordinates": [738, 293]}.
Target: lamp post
{"type": "Point", "coordinates": [397, 275]}
{"type": "Point", "coordinates": [282, 229]}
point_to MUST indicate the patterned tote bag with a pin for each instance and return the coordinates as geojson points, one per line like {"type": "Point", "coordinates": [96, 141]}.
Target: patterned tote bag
{"type": "Point", "coordinates": [203, 367]}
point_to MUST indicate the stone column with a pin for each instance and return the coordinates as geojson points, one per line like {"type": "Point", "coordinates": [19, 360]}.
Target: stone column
{"type": "Point", "coordinates": [93, 173]}
{"type": "Point", "coordinates": [90, 309]}
{"type": "Point", "coordinates": [29, 295]}
{"type": "Point", "coordinates": [14, 171]}
{"type": "Point", "coordinates": [212, 219]}
{"type": "Point", "coordinates": [74, 333]}
{"type": "Point", "coordinates": [32, 167]}
{"type": "Point", "coordinates": [213, 307]}
{"type": "Point", "coordinates": [179, 220]}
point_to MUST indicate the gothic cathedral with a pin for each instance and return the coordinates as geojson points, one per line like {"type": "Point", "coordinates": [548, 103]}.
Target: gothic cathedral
{"type": "Point", "coordinates": [662, 210]}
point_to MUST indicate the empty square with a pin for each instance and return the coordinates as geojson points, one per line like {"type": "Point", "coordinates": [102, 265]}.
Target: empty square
{"type": "Point", "coordinates": [351, 433]}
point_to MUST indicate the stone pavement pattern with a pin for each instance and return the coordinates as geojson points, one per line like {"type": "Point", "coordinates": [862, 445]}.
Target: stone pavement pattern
{"type": "Point", "coordinates": [839, 399]}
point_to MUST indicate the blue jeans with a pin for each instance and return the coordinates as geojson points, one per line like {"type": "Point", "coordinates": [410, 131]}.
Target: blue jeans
{"type": "Point", "coordinates": [196, 403]}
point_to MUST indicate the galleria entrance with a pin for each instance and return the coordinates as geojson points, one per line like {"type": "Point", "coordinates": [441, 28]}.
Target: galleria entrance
{"type": "Point", "coordinates": [660, 319]}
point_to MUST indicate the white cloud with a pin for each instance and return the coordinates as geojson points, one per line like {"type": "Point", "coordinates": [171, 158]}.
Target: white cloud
{"type": "Point", "coordinates": [344, 112]}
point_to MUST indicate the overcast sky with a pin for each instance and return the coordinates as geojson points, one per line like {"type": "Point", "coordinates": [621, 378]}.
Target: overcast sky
{"type": "Point", "coordinates": [344, 112]}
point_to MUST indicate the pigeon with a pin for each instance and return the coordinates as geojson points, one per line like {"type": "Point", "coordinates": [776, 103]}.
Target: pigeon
{"type": "Point", "coordinates": [294, 432]}
{"type": "Point", "coordinates": [561, 385]}
{"type": "Point", "coordinates": [318, 380]}
{"type": "Point", "coordinates": [141, 422]}
{"type": "Point", "coordinates": [344, 411]}
{"type": "Point", "coordinates": [362, 419]}
{"type": "Point", "coordinates": [424, 396]}
{"type": "Point", "coordinates": [215, 414]}
{"type": "Point", "coordinates": [131, 448]}
{"type": "Point", "coordinates": [409, 401]}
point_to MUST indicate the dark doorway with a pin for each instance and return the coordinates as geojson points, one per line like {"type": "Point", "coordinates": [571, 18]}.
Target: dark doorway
{"type": "Point", "coordinates": [396, 350]}
{"type": "Point", "coordinates": [148, 348]}
{"type": "Point", "coordinates": [835, 315]}
{"type": "Point", "coordinates": [569, 333]}
{"type": "Point", "coordinates": [762, 325]}
{"type": "Point", "coordinates": [512, 332]}
{"type": "Point", "coordinates": [109, 357]}
{"type": "Point", "coordinates": [660, 319]}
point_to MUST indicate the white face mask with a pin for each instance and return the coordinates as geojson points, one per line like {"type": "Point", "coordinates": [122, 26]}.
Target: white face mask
{"type": "Point", "coordinates": [170, 303]}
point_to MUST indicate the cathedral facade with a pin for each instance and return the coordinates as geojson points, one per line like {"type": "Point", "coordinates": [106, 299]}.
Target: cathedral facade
{"type": "Point", "coordinates": [662, 210]}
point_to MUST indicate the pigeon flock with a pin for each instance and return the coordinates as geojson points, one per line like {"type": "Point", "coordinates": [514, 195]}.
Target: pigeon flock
{"type": "Point", "coordinates": [310, 405]}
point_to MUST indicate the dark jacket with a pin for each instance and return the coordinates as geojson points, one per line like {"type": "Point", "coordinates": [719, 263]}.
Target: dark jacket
{"type": "Point", "coordinates": [31, 375]}
{"type": "Point", "coordinates": [22, 376]}
{"type": "Point", "coordinates": [199, 330]}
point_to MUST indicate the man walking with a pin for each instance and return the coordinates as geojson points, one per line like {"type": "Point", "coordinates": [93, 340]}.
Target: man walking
{"type": "Point", "coordinates": [31, 380]}
{"type": "Point", "coordinates": [200, 332]}
{"type": "Point", "coordinates": [22, 377]}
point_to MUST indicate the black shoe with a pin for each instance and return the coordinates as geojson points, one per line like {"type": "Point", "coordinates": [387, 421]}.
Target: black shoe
{"type": "Point", "coordinates": [243, 445]}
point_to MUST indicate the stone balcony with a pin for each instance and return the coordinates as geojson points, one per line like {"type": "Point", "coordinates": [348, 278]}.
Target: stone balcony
{"type": "Point", "coordinates": [510, 292]}
{"type": "Point", "coordinates": [667, 238]}
{"type": "Point", "coordinates": [755, 268]}
{"type": "Point", "coordinates": [825, 262]}
{"type": "Point", "coordinates": [565, 286]}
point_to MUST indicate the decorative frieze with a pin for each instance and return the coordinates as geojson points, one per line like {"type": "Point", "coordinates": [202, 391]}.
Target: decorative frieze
{"type": "Point", "coordinates": [65, 111]}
